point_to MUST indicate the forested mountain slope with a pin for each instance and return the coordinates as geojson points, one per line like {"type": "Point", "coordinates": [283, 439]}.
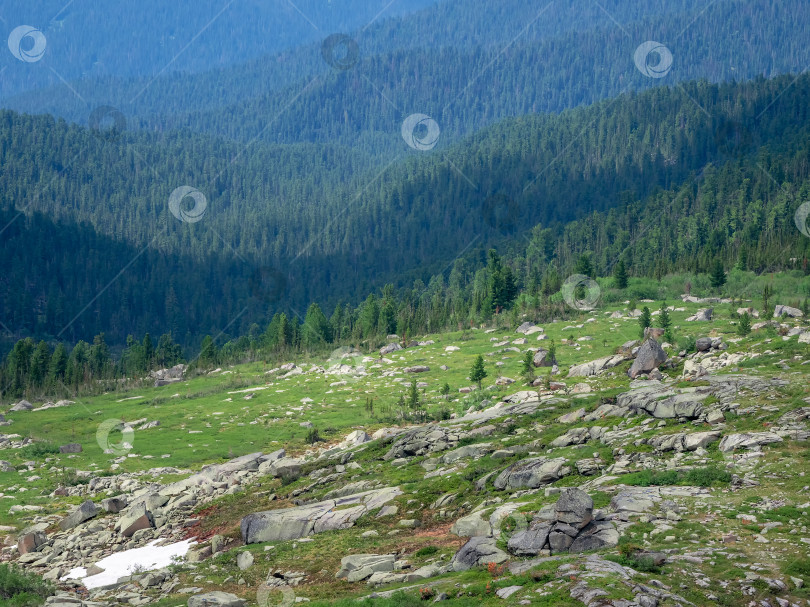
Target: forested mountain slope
{"type": "Point", "coordinates": [644, 159]}
{"type": "Point", "coordinates": [154, 37]}
{"type": "Point", "coordinates": [465, 64]}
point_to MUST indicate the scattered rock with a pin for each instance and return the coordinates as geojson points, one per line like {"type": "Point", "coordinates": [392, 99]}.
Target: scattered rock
{"type": "Point", "coordinates": [532, 473]}
{"type": "Point", "coordinates": [780, 311]}
{"type": "Point", "coordinates": [477, 552]}
{"type": "Point", "coordinates": [748, 440]}
{"type": "Point", "coordinates": [702, 315]}
{"type": "Point", "coordinates": [574, 507]}
{"type": "Point", "coordinates": [31, 540]}
{"type": "Point", "coordinates": [649, 356]}
{"type": "Point", "coordinates": [114, 505]}
{"type": "Point", "coordinates": [505, 593]}
{"type": "Point", "coordinates": [85, 511]}
{"type": "Point", "coordinates": [244, 561]}
{"type": "Point", "coordinates": [23, 405]}
{"type": "Point", "coordinates": [542, 358]}
{"type": "Point", "coordinates": [216, 599]}
{"type": "Point", "coordinates": [573, 529]}
{"type": "Point", "coordinates": [301, 521]}
{"type": "Point", "coordinates": [136, 518]}
{"type": "Point", "coordinates": [416, 369]}
{"type": "Point", "coordinates": [595, 367]}
{"type": "Point", "coordinates": [388, 349]}
{"type": "Point", "coordinates": [358, 567]}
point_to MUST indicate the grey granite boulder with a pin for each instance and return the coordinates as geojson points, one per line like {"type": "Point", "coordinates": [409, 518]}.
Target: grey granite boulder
{"type": "Point", "coordinates": [135, 518]}
{"type": "Point", "coordinates": [748, 440]}
{"type": "Point", "coordinates": [529, 542]}
{"type": "Point", "coordinates": [649, 356]}
{"type": "Point", "coordinates": [216, 599]}
{"type": "Point", "coordinates": [595, 535]}
{"type": "Point", "coordinates": [542, 358]}
{"type": "Point", "coordinates": [574, 507]}
{"type": "Point", "coordinates": [595, 367]}
{"type": "Point", "coordinates": [85, 511]}
{"type": "Point", "coordinates": [532, 473]}
{"type": "Point", "coordinates": [31, 539]}
{"type": "Point", "coordinates": [477, 552]}
{"type": "Point", "coordinates": [301, 521]}
{"type": "Point", "coordinates": [357, 567]}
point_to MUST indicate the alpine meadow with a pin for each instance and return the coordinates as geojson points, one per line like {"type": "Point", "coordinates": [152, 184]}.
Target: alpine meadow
{"type": "Point", "coordinates": [397, 302]}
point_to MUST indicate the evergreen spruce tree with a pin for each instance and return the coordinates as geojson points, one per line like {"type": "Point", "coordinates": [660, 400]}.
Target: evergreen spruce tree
{"type": "Point", "coordinates": [58, 364]}
{"type": "Point", "coordinates": [718, 274]}
{"type": "Point", "coordinates": [767, 307]}
{"type": "Point", "coordinates": [744, 326]}
{"type": "Point", "coordinates": [414, 403]}
{"type": "Point", "coordinates": [666, 322]}
{"type": "Point", "coordinates": [478, 373]}
{"type": "Point", "coordinates": [620, 275]}
{"type": "Point", "coordinates": [148, 352]}
{"type": "Point", "coordinates": [316, 330]}
{"type": "Point", "coordinates": [528, 367]}
{"type": "Point", "coordinates": [645, 320]}
{"type": "Point", "coordinates": [208, 352]}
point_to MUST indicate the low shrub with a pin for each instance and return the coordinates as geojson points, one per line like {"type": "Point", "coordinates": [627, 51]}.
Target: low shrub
{"type": "Point", "coordinates": [21, 589]}
{"type": "Point", "coordinates": [701, 477]}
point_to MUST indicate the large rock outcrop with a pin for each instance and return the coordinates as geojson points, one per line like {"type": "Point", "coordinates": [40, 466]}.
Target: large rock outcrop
{"type": "Point", "coordinates": [431, 439]}
{"type": "Point", "coordinates": [477, 552]}
{"type": "Point", "coordinates": [81, 513]}
{"type": "Point", "coordinates": [357, 567]}
{"type": "Point", "coordinates": [532, 473]}
{"type": "Point", "coordinates": [216, 599]}
{"type": "Point", "coordinates": [301, 521]}
{"type": "Point", "coordinates": [595, 367]}
{"type": "Point", "coordinates": [748, 440]}
{"type": "Point", "coordinates": [572, 530]}
{"type": "Point", "coordinates": [649, 356]}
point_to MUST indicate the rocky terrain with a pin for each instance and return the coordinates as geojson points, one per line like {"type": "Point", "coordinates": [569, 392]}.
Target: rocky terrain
{"type": "Point", "coordinates": [626, 472]}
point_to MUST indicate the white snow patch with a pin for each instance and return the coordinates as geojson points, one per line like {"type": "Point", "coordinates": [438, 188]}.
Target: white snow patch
{"type": "Point", "coordinates": [121, 564]}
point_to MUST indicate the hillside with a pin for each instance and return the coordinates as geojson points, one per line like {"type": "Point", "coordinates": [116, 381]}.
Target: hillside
{"type": "Point", "coordinates": [660, 175]}
{"type": "Point", "coordinates": [470, 65]}
{"type": "Point", "coordinates": [171, 37]}
{"type": "Point", "coordinates": [389, 303]}
{"type": "Point", "coordinates": [682, 471]}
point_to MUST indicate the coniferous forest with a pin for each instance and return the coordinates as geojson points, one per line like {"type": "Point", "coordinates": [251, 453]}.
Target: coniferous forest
{"type": "Point", "coordinates": [321, 226]}
{"type": "Point", "coordinates": [401, 302]}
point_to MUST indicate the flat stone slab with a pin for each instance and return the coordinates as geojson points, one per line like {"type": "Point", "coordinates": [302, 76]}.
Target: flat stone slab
{"type": "Point", "coordinates": [301, 521]}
